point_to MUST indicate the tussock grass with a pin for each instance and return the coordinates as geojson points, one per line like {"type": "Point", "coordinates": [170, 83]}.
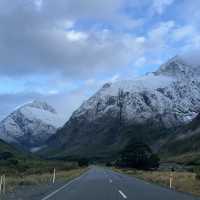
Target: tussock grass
{"type": "Point", "coordinates": [38, 179]}
{"type": "Point", "coordinates": [182, 181]}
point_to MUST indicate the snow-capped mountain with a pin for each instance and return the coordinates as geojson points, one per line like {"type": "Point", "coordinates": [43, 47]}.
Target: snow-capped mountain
{"type": "Point", "coordinates": [30, 125]}
{"type": "Point", "coordinates": [173, 92]}
{"type": "Point", "coordinates": [160, 100]}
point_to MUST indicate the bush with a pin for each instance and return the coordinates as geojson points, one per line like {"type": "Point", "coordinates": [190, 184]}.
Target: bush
{"type": "Point", "coordinates": [108, 164]}
{"type": "Point", "coordinates": [83, 162]}
{"type": "Point", "coordinates": [154, 161]}
{"type": "Point", "coordinates": [197, 172]}
{"type": "Point", "coordinates": [13, 161]}
{"type": "Point", "coordinates": [138, 155]}
{"type": "Point", "coordinates": [6, 155]}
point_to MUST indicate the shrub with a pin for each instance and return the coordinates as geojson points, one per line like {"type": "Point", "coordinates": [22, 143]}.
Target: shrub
{"type": "Point", "coordinates": [197, 172]}
{"type": "Point", "coordinates": [138, 155]}
{"type": "Point", "coordinates": [108, 164]}
{"type": "Point", "coordinates": [6, 155]}
{"type": "Point", "coordinates": [13, 161]}
{"type": "Point", "coordinates": [83, 162]}
{"type": "Point", "coordinates": [154, 161]}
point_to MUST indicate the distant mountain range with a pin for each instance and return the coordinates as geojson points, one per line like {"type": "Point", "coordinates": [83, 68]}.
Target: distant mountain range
{"type": "Point", "coordinates": [30, 125]}
{"type": "Point", "coordinates": [149, 108]}
{"type": "Point", "coordinates": [161, 109]}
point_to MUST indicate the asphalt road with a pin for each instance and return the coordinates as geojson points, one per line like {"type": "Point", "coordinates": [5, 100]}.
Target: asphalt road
{"type": "Point", "coordinates": [103, 184]}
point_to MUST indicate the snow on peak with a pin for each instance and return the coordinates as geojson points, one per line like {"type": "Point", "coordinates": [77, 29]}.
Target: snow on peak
{"type": "Point", "coordinates": [179, 67]}
{"type": "Point", "coordinates": [143, 83]}
{"type": "Point", "coordinates": [31, 124]}
{"type": "Point", "coordinates": [171, 92]}
{"type": "Point", "coordinates": [40, 105]}
{"type": "Point", "coordinates": [37, 110]}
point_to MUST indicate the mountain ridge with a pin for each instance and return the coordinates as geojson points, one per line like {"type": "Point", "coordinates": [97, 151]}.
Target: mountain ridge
{"type": "Point", "coordinates": [155, 104]}
{"type": "Point", "coordinates": [30, 125]}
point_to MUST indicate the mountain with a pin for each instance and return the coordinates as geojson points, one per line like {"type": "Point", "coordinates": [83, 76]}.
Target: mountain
{"type": "Point", "coordinates": [148, 107]}
{"type": "Point", "coordinates": [30, 125]}
{"type": "Point", "coordinates": [185, 141]}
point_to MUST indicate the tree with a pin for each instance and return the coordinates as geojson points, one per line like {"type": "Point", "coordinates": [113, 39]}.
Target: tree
{"type": "Point", "coordinates": [108, 164]}
{"type": "Point", "coordinates": [6, 155]}
{"type": "Point", "coordinates": [154, 161]}
{"type": "Point", "coordinates": [83, 162]}
{"type": "Point", "coordinates": [138, 155]}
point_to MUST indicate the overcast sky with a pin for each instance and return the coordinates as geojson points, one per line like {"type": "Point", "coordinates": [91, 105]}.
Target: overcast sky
{"type": "Point", "coordinates": [62, 51]}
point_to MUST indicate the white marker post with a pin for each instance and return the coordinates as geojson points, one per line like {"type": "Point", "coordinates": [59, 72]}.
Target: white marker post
{"type": "Point", "coordinates": [170, 180]}
{"type": "Point", "coordinates": [1, 182]}
{"type": "Point", "coordinates": [4, 184]}
{"type": "Point", "coordinates": [54, 175]}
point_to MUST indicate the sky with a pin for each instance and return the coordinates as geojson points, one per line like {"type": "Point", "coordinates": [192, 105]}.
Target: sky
{"type": "Point", "coordinates": [63, 51]}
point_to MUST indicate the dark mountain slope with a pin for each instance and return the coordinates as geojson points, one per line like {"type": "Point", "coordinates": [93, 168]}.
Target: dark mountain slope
{"type": "Point", "coordinates": [185, 140]}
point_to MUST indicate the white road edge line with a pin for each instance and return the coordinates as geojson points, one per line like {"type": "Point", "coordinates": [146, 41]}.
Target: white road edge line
{"type": "Point", "coordinates": [61, 188]}
{"type": "Point", "coordinates": [123, 195]}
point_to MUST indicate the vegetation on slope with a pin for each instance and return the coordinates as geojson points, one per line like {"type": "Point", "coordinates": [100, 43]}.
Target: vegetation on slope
{"type": "Point", "coordinates": [138, 155]}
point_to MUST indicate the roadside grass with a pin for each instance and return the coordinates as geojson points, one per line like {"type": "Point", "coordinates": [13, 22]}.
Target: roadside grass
{"type": "Point", "coordinates": [182, 181]}
{"type": "Point", "coordinates": [12, 181]}
{"type": "Point", "coordinates": [25, 170]}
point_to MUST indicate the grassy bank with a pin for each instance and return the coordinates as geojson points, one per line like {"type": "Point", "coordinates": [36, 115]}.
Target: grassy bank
{"type": "Point", "coordinates": [43, 178]}
{"type": "Point", "coordinates": [182, 181]}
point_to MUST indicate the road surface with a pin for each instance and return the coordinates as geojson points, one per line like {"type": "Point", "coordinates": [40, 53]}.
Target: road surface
{"type": "Point", "coordinates": [104, 184]}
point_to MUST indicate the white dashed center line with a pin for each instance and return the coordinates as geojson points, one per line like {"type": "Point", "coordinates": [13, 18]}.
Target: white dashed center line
{"type": "Point", "coordinates": [122, 194]}
{"type": "Point", "coordinates": [110, 180]}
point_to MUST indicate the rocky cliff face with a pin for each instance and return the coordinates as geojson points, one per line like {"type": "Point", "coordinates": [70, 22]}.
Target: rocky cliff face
{"type": "Point", "coordinates": [160, 100]}
{"type": "Point", "coordinates": [30, 125]}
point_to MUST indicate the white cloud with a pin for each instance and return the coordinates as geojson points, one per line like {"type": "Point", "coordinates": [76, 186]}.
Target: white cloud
{"type": "Point", "coordinates": [140, 61]}
{"type": "Point", "coordinates": [162, 29]}
{"type": "Point", "coordinates": [53, 92]}
{"type": "Point", "coordinates": [90, 82]}
{"type": "Point", "coordinates": [114, 78]}
{"type": "Point", "coordinates": [159, 36]}
{"type": "Point", "coordinates": [184, 32]}
{"type": "Point", "coordinates": [65, 24]}
{"type": "Point", "coordinates": [38, 4]}
{"type": "Point", "coordinates": [75, 36]}
{"type": "Point", "coordinates": [159, 6]}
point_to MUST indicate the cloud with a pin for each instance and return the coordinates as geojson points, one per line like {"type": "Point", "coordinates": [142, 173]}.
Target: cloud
{"type": "Point", "coordinates": [74, 36]}
{"type": "Point", "coordinates": [192, 57]}
{"type": "Point", "coordinates": [184, 32]}
{"type": "Point", "coordinates": [47, 40]}
{"type": "Point", "coordinates": [159, 6]}
{"type": "Point", "coordinates": [63, 52]}
{"type": "Point", "coordinates": [51, 41]}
